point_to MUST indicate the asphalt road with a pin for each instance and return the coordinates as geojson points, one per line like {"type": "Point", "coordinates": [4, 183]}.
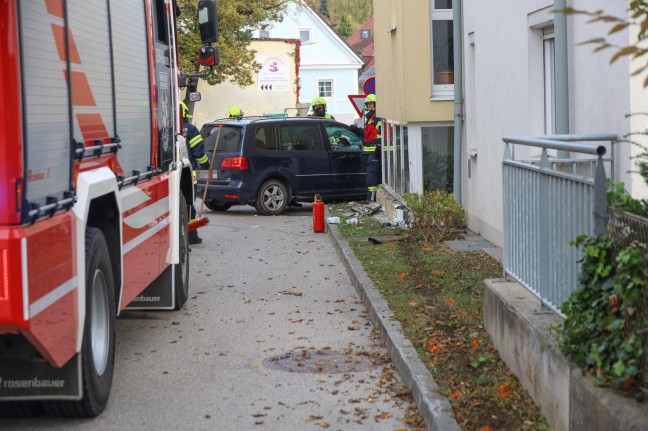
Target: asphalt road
{"type": "Point", "coordinates": [267, 293]}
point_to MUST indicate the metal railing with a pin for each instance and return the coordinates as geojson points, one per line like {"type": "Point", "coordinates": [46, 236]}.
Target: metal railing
{"type": "Point", "coordinates": [546, 207]}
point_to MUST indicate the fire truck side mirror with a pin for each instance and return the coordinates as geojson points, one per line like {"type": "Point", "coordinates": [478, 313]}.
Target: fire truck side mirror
{"type": "Point", "coordinates": [208, 21]}
{"type": "Point", "coordinates": [208, 56]}
{"type": "Point", "coordinates": [194, 97]}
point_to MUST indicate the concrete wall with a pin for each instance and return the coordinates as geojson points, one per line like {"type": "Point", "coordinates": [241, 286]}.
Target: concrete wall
{"type": "Point", "coordinates": [523, 333]}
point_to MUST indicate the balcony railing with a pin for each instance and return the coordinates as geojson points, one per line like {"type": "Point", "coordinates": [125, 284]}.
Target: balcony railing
{"type": "Point", "coordinates": [547, 203]}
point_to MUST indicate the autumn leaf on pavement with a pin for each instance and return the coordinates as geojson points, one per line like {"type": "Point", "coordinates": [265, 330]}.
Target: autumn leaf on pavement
{"type": "Point", "coordinates": [353, 328]}
{"type": "Point", "coordinates": [312, 418]}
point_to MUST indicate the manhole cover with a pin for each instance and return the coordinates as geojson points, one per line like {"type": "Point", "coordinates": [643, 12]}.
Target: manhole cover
{"type": "Point", "coordinates": [320, 361]}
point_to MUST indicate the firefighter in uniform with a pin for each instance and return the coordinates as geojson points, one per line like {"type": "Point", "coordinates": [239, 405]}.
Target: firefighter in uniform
{"type": "Point", "coordinates": [371, 145]}
{"type": "Point", "coordinates": [319, 109]}
{"type": "Point", "coordinates": [197, 157]}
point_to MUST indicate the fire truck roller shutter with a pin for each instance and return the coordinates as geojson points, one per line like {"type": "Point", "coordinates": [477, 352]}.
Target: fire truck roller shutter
{"type": "Point", "coordinates": [132, 89]}
{"type": "Point", "coordinates": [48, 152]}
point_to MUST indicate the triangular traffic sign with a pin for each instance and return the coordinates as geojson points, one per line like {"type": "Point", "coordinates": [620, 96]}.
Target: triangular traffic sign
{"type": "Point", "coordinates": [357, 100]}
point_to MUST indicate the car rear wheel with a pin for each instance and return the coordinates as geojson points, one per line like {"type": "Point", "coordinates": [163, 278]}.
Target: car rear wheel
{"type": "Point", "coordinates": [272, 198]}
{"type": "Point", "coordinates": [214, 205]}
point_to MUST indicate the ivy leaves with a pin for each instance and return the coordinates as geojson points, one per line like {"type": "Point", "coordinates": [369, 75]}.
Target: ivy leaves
{"type": "Point", "coordinates": [598, 333]}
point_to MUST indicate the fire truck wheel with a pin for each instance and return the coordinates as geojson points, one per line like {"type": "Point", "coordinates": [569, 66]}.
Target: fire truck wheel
{"type": "Point", "coordinates": [272, 198]}
{"type": "Point", "coordinates": [181, 270]}
{"type": "Point", "coordinates": [98, 348]}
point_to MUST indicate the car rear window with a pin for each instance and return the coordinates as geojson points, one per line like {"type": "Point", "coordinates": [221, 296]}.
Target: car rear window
{"type": "Point", "coordinates": [229, 139]}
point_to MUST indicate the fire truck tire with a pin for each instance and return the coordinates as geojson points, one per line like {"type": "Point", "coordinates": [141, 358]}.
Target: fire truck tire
{"type": "Point", "coordinates": [181, 269]}
{"type": "Point", "coordinates": [98, 348]}
{"type": "Point", "coordinates": [20, 409]}
{"type": "Point", "coordinates": [272, 198]}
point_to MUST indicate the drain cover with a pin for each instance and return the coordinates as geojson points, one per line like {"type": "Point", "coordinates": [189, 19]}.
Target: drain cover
{"type": "Point", "coordinates": [321, 362]}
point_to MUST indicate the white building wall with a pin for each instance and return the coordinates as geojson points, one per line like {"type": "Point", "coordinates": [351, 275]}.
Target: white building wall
{"type": "Point", "coordinates": [504, 93]}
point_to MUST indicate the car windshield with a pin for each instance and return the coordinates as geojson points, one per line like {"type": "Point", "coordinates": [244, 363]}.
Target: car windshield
{"type": "Point", "coordinates": [229, 139]}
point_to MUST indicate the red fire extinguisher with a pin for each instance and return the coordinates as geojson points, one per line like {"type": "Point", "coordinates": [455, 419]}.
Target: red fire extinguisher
{"type": "Point", "coordinates": [318, 214]}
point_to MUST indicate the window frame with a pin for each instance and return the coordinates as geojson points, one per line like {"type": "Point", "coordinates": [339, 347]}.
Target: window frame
{"type": "Point", "coordinates": [310, 35]}
{"type": "Point", "coordinates": [323, 81]}
{"type": "Point", "coordinates": [439, 91]}
{"type": "Point", "coordinates": [365, 31]}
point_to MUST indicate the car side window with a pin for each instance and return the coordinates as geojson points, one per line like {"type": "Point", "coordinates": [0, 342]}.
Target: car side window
{"type": "Point", "coordinates": [229, 139]}
{"type": "Point", "coordinates": [342, 139]}
{"type": "Point", "coordinates": [300, 137]}
{"type": "Point", "coordinates": [265, 138]}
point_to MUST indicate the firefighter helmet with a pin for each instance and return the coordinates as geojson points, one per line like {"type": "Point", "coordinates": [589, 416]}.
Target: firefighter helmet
{"type": "Point", "coordinates": [319, 101]}
{"type": "Point", "coordinates": [235, 111]}
{"type": "Point", "coordinates": [371, 98]}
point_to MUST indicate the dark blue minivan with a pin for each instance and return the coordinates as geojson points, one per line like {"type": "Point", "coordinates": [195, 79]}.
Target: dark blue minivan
{"type": "Point", "coordinates": [271, 162]}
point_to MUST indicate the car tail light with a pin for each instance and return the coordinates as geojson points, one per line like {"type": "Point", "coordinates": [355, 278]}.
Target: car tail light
{"type": "Point", "coordinates": [232, 196]}
{"type": "Point", "coordinates": [235, 163]}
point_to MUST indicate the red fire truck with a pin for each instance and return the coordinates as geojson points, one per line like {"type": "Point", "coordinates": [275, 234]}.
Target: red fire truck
{"type": "Point", "coordinates": [94, 185]}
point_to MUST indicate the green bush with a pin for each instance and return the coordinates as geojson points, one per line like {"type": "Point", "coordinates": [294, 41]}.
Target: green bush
{"type": "Point", "coordinates": [619, 198]}
{"type": "Point", "coordinates": [437, 217]}
{"type": "Point", "coordinates": [597, 316]}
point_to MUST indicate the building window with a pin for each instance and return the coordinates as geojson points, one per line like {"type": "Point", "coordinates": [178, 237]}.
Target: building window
{"type": "Point", "coordinates": [325, 88]}
{"type": "Point", "coordinates": [549, 78]}
{"type": "Point", "coordinates": [395, 157]}
{"type": "Point", "coordinates": [264, 34]}
{"type": "Point", "coordinates": [438, 162]}
{"type": "Point", "coordinates": [364, 34]}
{"type": "Point", "coordinates": [442, 44]}
{"type": "Point", "coordinates": [305, 35]}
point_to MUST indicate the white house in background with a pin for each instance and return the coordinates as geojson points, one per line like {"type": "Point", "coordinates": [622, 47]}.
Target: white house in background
{"type": "Point", "coordinates": [328, 67]}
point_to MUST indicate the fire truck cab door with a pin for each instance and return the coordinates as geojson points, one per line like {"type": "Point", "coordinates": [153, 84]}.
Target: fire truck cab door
{"type": "Point", "coordinates": [164, 84]}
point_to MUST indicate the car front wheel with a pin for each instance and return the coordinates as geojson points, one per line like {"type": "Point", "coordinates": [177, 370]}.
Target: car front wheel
{"type": "Point", "coordinates": [272, 198]}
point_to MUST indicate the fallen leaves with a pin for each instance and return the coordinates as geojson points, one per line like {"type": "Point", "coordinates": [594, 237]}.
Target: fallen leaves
{"type": "Point", "coordinates": [456, 394]}
{"type": "Point", "coordinates": [504, 391]}
{"type": "Point", "coordinates": [291, 293]}
{"type": "Point", "coordinates": [450, 302]}
{"type": "Point", "coordinates": [402, 276]}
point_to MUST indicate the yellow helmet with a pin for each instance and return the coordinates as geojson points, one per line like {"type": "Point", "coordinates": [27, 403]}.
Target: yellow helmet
{"type": "Point", "coordinates": [371, 98]}
{"type": "Point", "coordinates": [184, 108]}
{"type": "Point", "coordinates": [235, 111]}
{"type": "Point", "coordinates": [319, 101]}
